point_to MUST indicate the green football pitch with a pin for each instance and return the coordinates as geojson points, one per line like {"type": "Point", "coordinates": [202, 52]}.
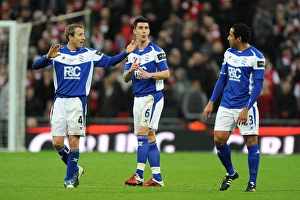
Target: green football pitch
{"type": "Point", "coordinates": [187, 175]}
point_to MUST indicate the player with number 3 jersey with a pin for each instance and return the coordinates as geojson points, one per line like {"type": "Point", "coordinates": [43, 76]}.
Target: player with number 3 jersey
{"type": "Point", "coordinates": [240, 83]}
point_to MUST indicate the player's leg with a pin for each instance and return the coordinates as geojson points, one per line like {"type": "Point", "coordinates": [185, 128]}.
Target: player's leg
{"type": "Point", "coordinates": [249, 130]}
{"type": "Point", "coordinates": [58, 130]}
{"type": "Point", "coordinates": [142, 150]}
{"type": "Point", "coordinates": [154, 154]}
{"type": "Point", "coordinates": [223, 150]}
{"type": "Point", "coordinates": [75, 114]}
{"type": "Point", "coordinates": [61, 148]}
{"type": "Point", "coordinates": [141, 155]}
{"type": "Point", "coordinates": [154, 161]}
{"type": "Point", "coordinates": [253, 161]}
{"type": "Point", "coordinates": [142, 110]}
{"type": "Point", "coordinates": [223, 127]}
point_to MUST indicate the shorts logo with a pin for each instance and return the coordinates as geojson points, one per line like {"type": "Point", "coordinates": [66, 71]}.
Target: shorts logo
{"type": "Point", "coordinates": [72, 72]}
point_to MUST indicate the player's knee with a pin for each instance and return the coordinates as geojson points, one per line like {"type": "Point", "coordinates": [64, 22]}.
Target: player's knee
{"type": "Point", "coordinates": [219, 141]}
{"type": "Point", "coordinates": [251, 140]}
{"type": "Point", "coordinates": [57, 143]}
{"type": "Point", "coordinates": [151, 138]}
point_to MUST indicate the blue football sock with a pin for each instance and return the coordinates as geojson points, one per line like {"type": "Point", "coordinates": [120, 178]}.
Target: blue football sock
{"type": "Point", "coordinates": [253, 162]}
{"type": "Point", "coordinates": [142, 154]}
{"type": "Point", "coordinates": [64, 154]}
{"type": "Point", "coordinates": [154, 161]}
{"type": "Point", "coordinates": [72, 163]}
{"type": "Point", "coordinates": [224, 155]}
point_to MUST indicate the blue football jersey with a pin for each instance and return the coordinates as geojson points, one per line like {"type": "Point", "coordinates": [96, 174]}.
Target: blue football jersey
{"type": "Point", "coordinates": [152, 59]}
{"type": "Point", "coordinates": [73, 70]}
{"type": "Point", "coordinates": [241, 69]}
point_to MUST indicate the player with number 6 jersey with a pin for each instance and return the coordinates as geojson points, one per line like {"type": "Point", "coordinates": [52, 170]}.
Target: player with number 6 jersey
{"type": "Point", "coordinates": [146, 67]}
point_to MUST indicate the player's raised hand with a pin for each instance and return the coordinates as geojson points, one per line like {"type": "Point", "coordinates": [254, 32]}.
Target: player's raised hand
{"type": "Point", "coordinates": [132, 46]}
{"type": "Point", "coordinates": [53, 51]}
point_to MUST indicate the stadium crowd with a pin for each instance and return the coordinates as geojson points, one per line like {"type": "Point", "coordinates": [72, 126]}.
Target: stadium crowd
{"type": "Point", "coordinates": [192, 33]}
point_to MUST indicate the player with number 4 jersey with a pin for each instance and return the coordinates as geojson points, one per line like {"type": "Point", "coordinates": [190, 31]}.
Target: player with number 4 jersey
{"type": "Point", "coordinates": [73, 66]}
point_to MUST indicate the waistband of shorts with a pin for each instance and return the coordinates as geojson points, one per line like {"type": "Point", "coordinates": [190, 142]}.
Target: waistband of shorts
{"type": "Point", "coordinates": [146, 94]}
{"type": "Point", "coordinates": [67, 96]}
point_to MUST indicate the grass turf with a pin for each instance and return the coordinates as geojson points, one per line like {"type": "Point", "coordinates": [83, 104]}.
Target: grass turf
{"type": "Point", "coordinates": [187, 175]}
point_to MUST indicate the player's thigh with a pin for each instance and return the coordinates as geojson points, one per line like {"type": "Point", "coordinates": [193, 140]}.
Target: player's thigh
{"type": "Point", "coordinates": [58, 120]}
{"type": "Point", "coordinates": [224, 120]}
{"type": "Point", "coordinates": [142, 111]}
{"type": "Point", "coordinates": [75, 111]}
{"type": "Point", "coordinates": [252, 124]}
{"type": "Point", "coordinates": [147, 111]}
{"type": "Point", "coordinates": [156, 114]}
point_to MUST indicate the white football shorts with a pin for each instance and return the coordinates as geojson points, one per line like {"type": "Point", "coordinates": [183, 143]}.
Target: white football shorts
{"type": "Point", "coordinates": [226, 121]}
{"type": "Point", "coordinates": [68, 116]}
{"type": "Point", "coordinates": [147, 111]}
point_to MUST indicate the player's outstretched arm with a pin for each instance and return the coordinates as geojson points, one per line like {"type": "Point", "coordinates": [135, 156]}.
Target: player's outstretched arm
{"type": "Point", "coordinates": [45, 60]}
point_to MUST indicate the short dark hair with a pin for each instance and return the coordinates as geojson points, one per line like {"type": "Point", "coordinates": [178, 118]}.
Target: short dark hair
{"type": "Point", "coordinates": [70, 30]}
{"type": "Point", "coordinates": [140, 19]}
{"type": "Point", "coordinates": [243, 31]}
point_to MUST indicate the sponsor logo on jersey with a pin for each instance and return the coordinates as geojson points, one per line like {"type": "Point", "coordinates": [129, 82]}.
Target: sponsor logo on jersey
{"type": "Point", "coordinates": [234, 74]}
{"type": "Point", "coordinates": [161, 56]}
{"type": "Point", "coordinates": [260, 63]}
{"type": "Point", "coordinates": [72, 72]}
{"type": "Point", "coordinates": [98, 53]}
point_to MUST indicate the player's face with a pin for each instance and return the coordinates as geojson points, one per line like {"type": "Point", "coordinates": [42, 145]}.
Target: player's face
{"type": "Point", "coordinates": [142, 31]}
{"type": "Point", "coordinates": [78, 40]}
{"type": "Point", "coordinates": [232, 40]}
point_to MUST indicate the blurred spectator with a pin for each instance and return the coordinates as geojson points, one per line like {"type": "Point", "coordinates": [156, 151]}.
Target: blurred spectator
{"type": "Point", "coordinates": [271, 75]}
{"type": "Point", "coordinates": [194, 101]}
{"type": "Point", "coordinates": [180, 85]}
{"type": "Point", "coordinates": [187, 50]}
{"type": "Point", "coordinates": [265, 102]}
{"type": "Point", "coordinates": [285, 102]}
{"type": "Point", "coordinates": [44, 87]}
{"type": "Point", "coordinates": [31, 122]}
{"type": "Point", "coordinates": [110, 95]}
{"type": "Point", "coordinates": [262, 27]}
{"type": "Point", "coordinates": [217, 53]}
{"type": "Point", "coordinates": [171, 106]}
{"type": "Point", "coordinates": [174, 59]}
{"type": "Point", "coordinates": [199, 68]}
{"type": "Point", "coordinates": [34, 107]}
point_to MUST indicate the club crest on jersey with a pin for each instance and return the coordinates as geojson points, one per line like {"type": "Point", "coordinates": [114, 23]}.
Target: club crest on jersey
{"type": "Point", "coordinates": [81, 58]}
{"type": "Point", "coordinates": [72, 72]}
